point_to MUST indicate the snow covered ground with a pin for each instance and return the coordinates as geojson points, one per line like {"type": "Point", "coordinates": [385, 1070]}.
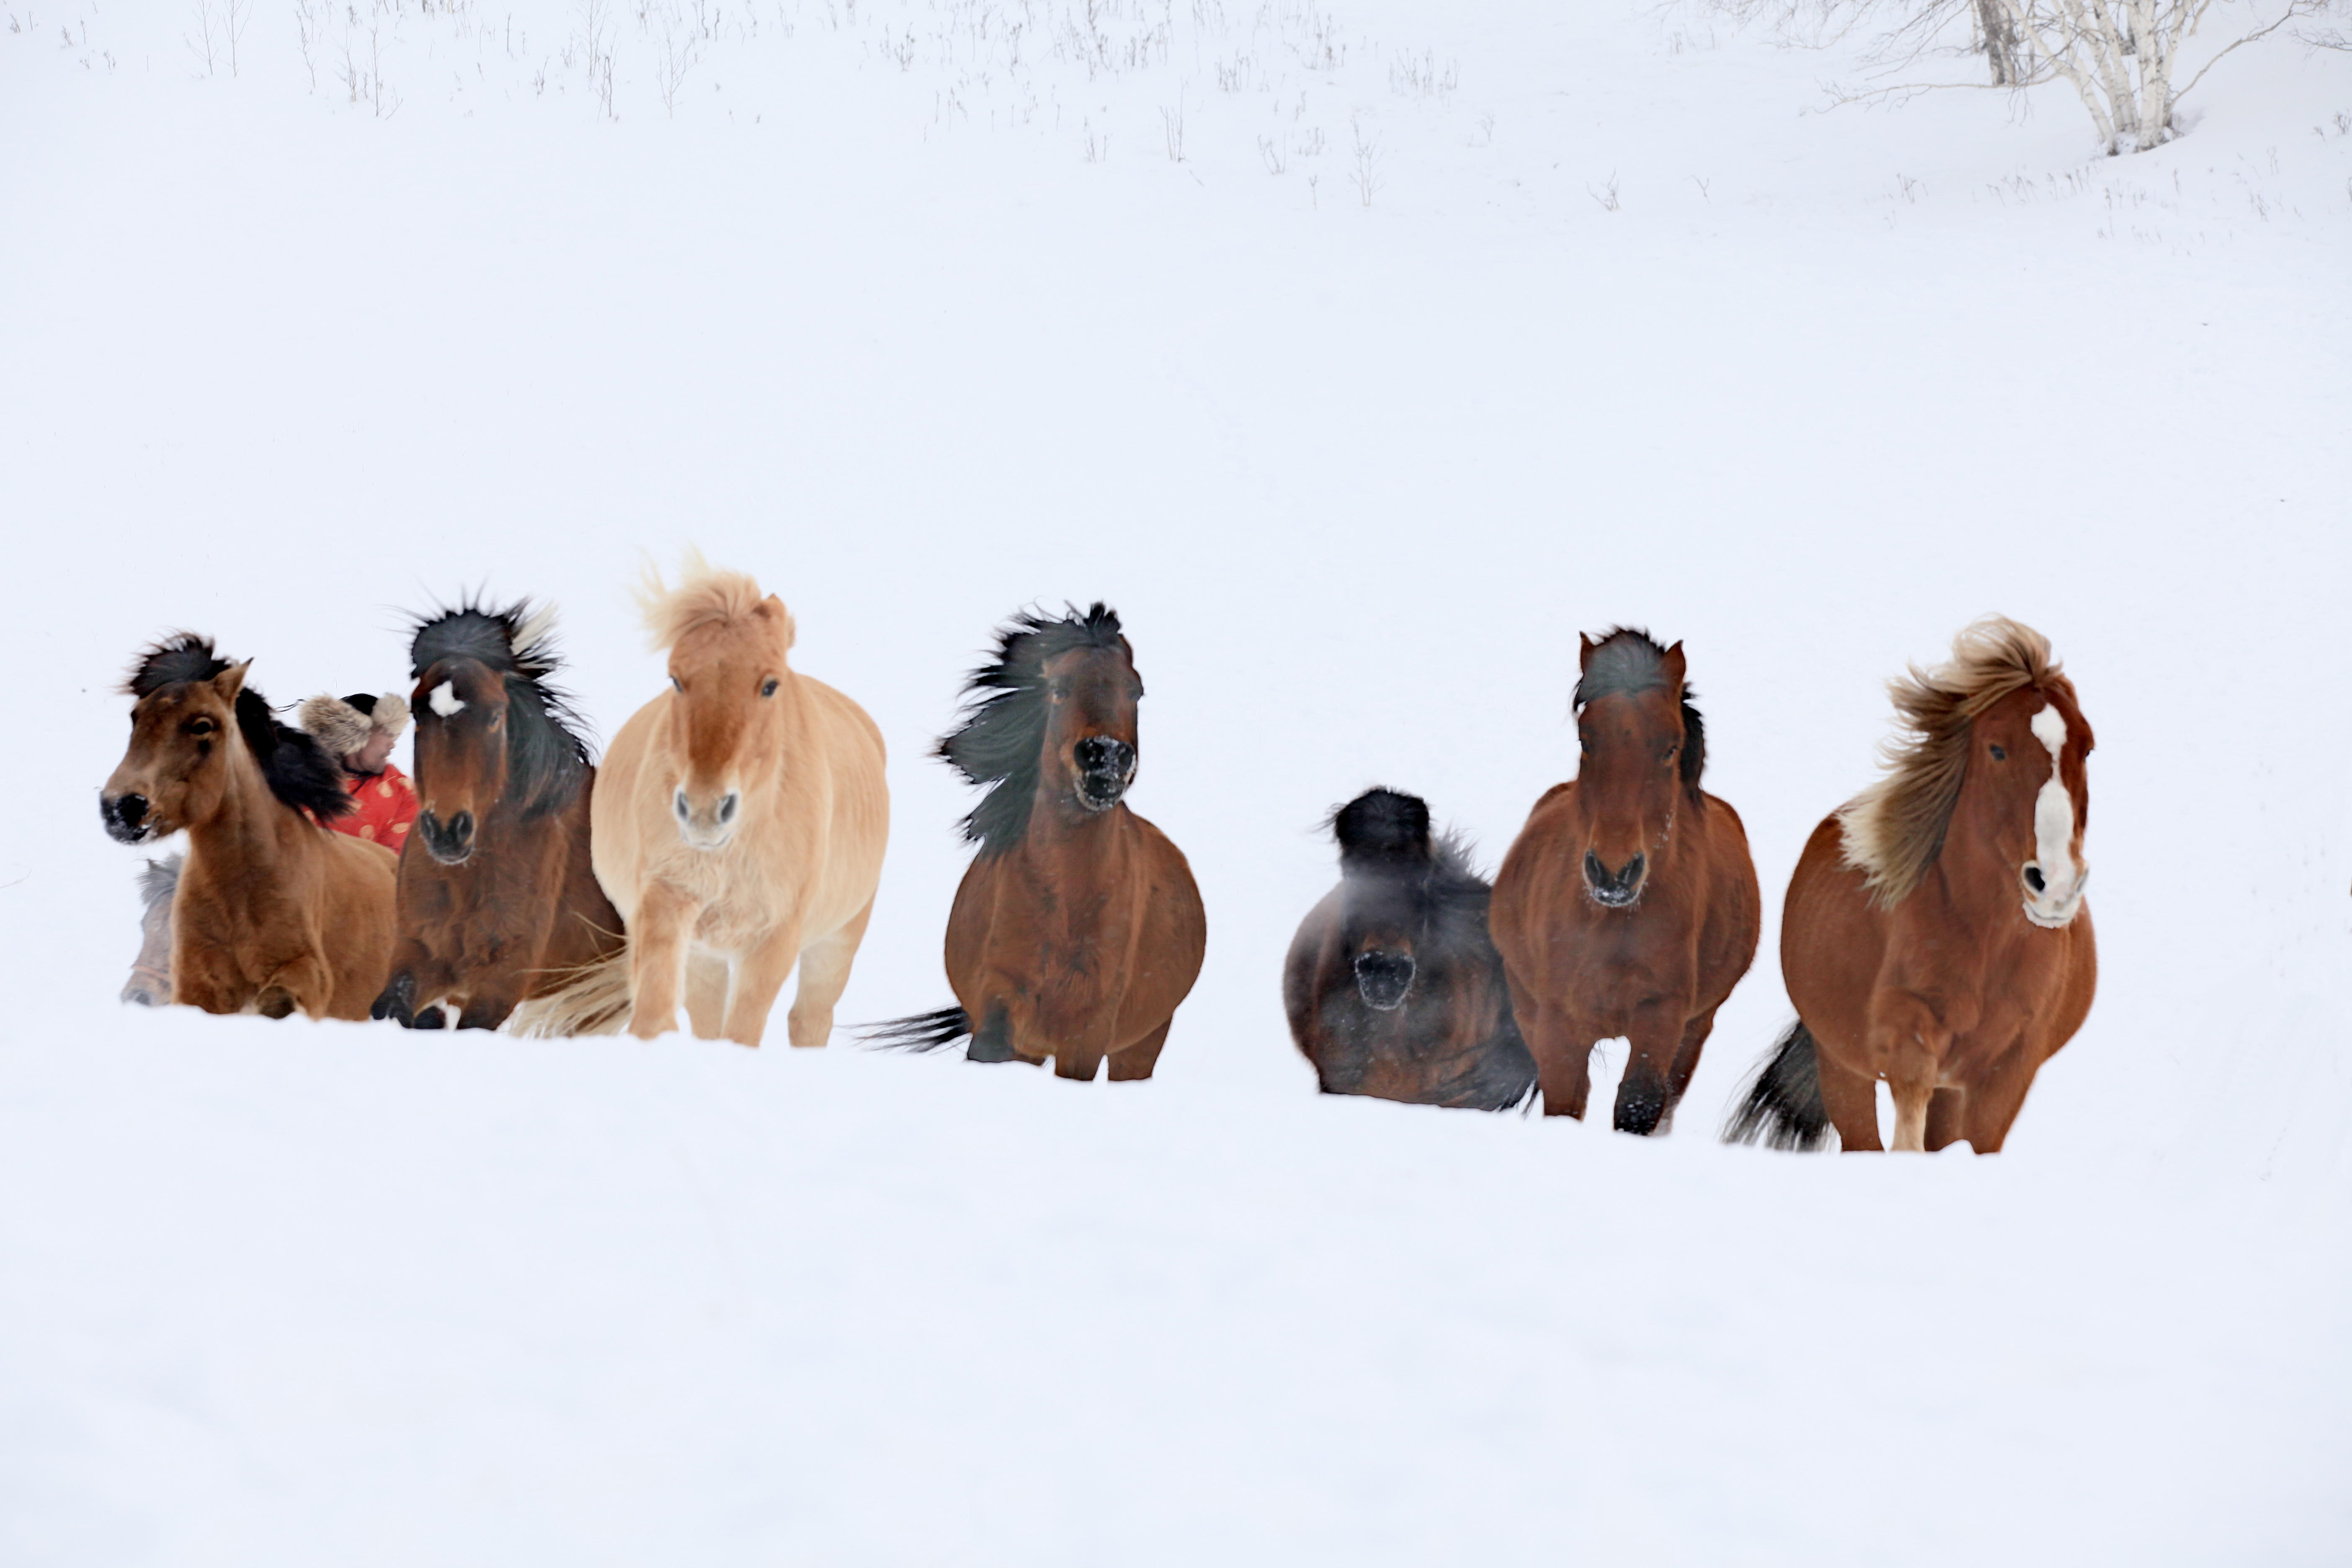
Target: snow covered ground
{"type": "Point", "coordinates": [1454, 330]}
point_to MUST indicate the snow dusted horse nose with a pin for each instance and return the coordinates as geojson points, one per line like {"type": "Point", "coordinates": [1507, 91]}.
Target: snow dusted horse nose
{"type": "Point", "coordinates": [1383, 978]}
{"type": "Point", "coordinates": [1105, 767]}
{"type": "Point", "coordinates": [1615, 889]}
{"type": "Point", "coordinates": [450, 842]}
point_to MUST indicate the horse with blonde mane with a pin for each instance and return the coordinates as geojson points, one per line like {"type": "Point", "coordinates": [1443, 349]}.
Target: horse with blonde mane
{"type": "Point", "coordinates": [739, 821]}
{"type": "Point", "coordinates": [271, 912]}
{"type": "Point", "coordinates": [1935, 936]}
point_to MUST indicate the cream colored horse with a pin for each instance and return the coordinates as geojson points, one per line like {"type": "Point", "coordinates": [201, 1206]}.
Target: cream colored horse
{"type": "Point", "coordinates": [739, 821]}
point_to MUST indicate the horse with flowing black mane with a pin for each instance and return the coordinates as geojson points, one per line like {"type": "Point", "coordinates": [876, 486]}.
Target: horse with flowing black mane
{"type": "Point", "coordinates": [739, 825]}
{"type": "Point", "coordinates": [1628, 905]}
{"type": "Point", "coordinates": [272, 912]}
{"type": "Point", "coordinates": [1936, 935]}
{"type": "Point", "coordinates": [1078, 929]}
{"type": "Point", "coordinates": [499, 905]}
{"type": "Point", "coordinates": [1392, 986]}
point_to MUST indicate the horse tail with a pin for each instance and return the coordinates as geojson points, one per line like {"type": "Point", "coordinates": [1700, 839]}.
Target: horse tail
{"type": "Point", "coordinates": [593, 999]}
{"type": "Point", "coordinates": [1783, 1107]}
{"type": "Point", "coordinates": [922, 1032]}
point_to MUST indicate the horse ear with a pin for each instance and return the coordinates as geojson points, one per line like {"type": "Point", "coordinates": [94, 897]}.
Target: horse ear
{"type": "Point", "coordinates": [231, 681]}
{"type": "Point", "coordinates": [1676, 668]}
{"type": "Point", "coordinates": [774, 608]}
{"type": "Point", "coordinates": [1584, 646]}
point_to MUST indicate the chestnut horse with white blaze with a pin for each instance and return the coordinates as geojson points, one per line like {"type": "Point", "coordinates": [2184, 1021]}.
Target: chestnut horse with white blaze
{"type": "Point", "coordinates": [1628, 906]}
{"type": "Point", "coordinates": [739, 821]}
{"type": "Point", "coordinates": [271, 912]}
{"type": "Point", "coordinates": [1935, 936]}
{"type": "Point", "coordinates": [1077, 930]}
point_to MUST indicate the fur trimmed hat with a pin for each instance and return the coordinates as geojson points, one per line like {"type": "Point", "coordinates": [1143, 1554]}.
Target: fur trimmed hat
{"type": "Point", "coordinates": [342, 725]}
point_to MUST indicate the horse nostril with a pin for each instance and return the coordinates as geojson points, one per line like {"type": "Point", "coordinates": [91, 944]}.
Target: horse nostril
{"type": "Point", "coordinates": [2033, 879]}
{"type": "Point", "coordinates": [727, 806]}
{"type": "Point", "coordinates": [678, 803]}
{"type": "Point", "coordinates": [1632, 872]}
{"type": "Point", "coordinates": [131, 809]}
{"type": "Point", "coordinates": [461, 826]}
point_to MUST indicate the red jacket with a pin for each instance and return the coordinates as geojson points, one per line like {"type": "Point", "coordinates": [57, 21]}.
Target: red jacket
{"type": "Point", "coordinates": [387, 806]}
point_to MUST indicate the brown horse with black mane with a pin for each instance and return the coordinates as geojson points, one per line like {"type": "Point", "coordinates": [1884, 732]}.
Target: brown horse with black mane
{"type": "Point", "coordinates": [1078, 929]}
{"type": "Point", "coordinates": [499, 901]}
{"type": "Point", "coordinates": [1393, 986]}
{"type": "Point", "coordinates": [1936, 935]}
{"type": "Point", "coordinates": [272, 912]}
{"type": "Point", "coordinates": [1628, 906]}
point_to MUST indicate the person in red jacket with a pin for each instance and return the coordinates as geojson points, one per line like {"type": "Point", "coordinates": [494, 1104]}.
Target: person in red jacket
{"type": "Point", "coordinates": [360, 731]}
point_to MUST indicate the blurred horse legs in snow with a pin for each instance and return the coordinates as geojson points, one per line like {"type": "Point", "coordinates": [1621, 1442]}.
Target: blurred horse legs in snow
{"type": "Point", "coordinates": [150, 985]}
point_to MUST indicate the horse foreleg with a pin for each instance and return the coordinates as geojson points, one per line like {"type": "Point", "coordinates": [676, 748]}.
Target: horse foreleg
{"type": "Point", "coordinates": [1994, 1102]}
{"type": "Point", "coordinates": [760, 975]}
{"type": "Point", "coordinates": [1647, 1091]}
{"type": "Point", "coordinates": [658, 938]}
{"type": "Point", "coordinates": [306, 981]}
{"type": "Point", "coordinates": [1686, 1055]}
{"type": "Point", "coordinates": [824, 975]}
{"type": "Point", "coordinates": [1129, 1063]}
{"type": "Point", "coordinates": [1947, 1111]}
{"type": "Point", "coordinates": [1562, 1048]}
{"type": "Point", "coordinates": [706, 994]}
{"type": "Point", "coordinates": [1851, 1099]}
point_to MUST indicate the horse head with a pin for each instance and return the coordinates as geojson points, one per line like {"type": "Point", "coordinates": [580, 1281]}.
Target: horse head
{"type": "Point", "coordinates": [1089, 752]}
{"type": "Point", "coordinates": [461, 711]}
{"type": "Point", "coordinates": [726, 717]}
{"type": "Point", "coordinates": [2027, 795]}
{"type": "Point", "coordinates": [176, 770]}
{"type": "Point", "coordinates": [1385, 863]}
{"type": "Point", "coordinates": [1643, 749]}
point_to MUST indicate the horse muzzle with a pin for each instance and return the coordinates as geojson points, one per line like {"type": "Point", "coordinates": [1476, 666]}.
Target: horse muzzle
{"type": "Point", "coordinates": [128, 818]}
{"type": "Point", "coordinates": [1384, 978]}
{"type": "Point", "coordinates": [2048, 903]}
{"type": "Point", "coordinates": [1615, 889]}
{"type": "Point", "coordinates": [452, 842]}
{"type": "Point", "coordinates": [707, 827]}
{"type": "Point", "coordinates": [1105, 767]}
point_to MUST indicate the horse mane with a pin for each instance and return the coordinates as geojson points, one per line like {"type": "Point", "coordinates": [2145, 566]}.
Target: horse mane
{"type": "Point", "coordinates": [1895, 829]}
{"type": "Point", "coordinates": [706, 596]}
{"type": "Point", "coordinates": [158, 880]}
{"type": "Point", "coordinates": [299, 773]}
{"type": "Point", "coordinates": [1627, 661]}
{"type": "Point", "coordinates": [547, 752]}
{"type": "Point", "coordinates": [1003, 729]}
{"type": "Point", "coordinates": [1386, 831]}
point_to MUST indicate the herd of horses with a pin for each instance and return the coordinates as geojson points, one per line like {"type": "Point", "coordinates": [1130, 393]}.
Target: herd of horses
{"type": "Point", "coordinates": [1934, 937]}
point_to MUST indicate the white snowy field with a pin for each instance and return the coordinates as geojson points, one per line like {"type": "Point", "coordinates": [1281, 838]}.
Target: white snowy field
{"type": "Point", "coordinates": [912, 311]}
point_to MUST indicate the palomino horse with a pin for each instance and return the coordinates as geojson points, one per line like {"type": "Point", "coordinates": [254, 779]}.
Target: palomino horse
{"type": "Point", "coordinates": [498, 903]}
{"type": "Point", "coordinates": [1394, 985]}
{"type": "Point", "coordinates": [1077, 930]}
{"type": "Point", "coordinates": [150, 985]}
{"type": "Point", "coordinates": [273, 911]}
{"type": "Point", "coordinates": [739, 821]}
{"type": "Point", "coordinates": [1628, 906]}
{"type": "Point", "coordinates": [1936, 935]}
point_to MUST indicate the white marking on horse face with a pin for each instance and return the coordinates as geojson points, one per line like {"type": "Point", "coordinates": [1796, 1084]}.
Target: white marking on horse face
{"type": "Point", "coordinates": [444, 699]}
{"type": "Point", "coordinates": [2055, 904]}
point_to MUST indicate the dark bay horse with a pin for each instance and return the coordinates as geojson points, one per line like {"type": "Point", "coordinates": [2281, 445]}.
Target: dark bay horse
{"type": "Point", "coordinates": [1078, 929]}
{"type": "Point", "coordinates": [1628, 906]}
{"type": "Point", "coordinates": [1936, 935]}
{"type": "Point", "coordinates": [273, 912]}
{"type": "Point", "coordinates": [498, 903]}
{"type": "Point", "coordinates": [1393, 986]}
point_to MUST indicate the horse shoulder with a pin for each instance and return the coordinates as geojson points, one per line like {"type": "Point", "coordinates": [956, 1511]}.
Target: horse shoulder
{"type": "Point", "coordinates": [1833, 940]}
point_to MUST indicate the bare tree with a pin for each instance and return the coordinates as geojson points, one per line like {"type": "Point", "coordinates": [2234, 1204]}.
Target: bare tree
{"type": "Point", "coordinates": [2119, 56]}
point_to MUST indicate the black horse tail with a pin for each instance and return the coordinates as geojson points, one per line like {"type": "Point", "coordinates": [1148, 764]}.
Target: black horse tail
{"type": "Point", "coordinates": [922, 1032]}
{"type": "Point", "coordinates": [1783, 1107]}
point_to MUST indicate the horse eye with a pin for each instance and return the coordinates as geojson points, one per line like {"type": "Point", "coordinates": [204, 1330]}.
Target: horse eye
{"type": "Point", "coordinates": [1998, 755]}
{"type": "Point", "coordinates": [200, 726]}
{"type": "Point", "coordinates": [1668, 754]}
{"type": "Point", "coordinates": [768, 686]}
{"type": "Point", "coordinates": [677, 685]}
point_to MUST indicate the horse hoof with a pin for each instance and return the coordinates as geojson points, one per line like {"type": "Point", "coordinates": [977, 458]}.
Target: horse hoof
{"type": "Point", "coordinates": [274, 1004]}
{"type": "Point", "coordinates": [987, 1050]}
{"type": "Point", "coordinates": [430, 1018]}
